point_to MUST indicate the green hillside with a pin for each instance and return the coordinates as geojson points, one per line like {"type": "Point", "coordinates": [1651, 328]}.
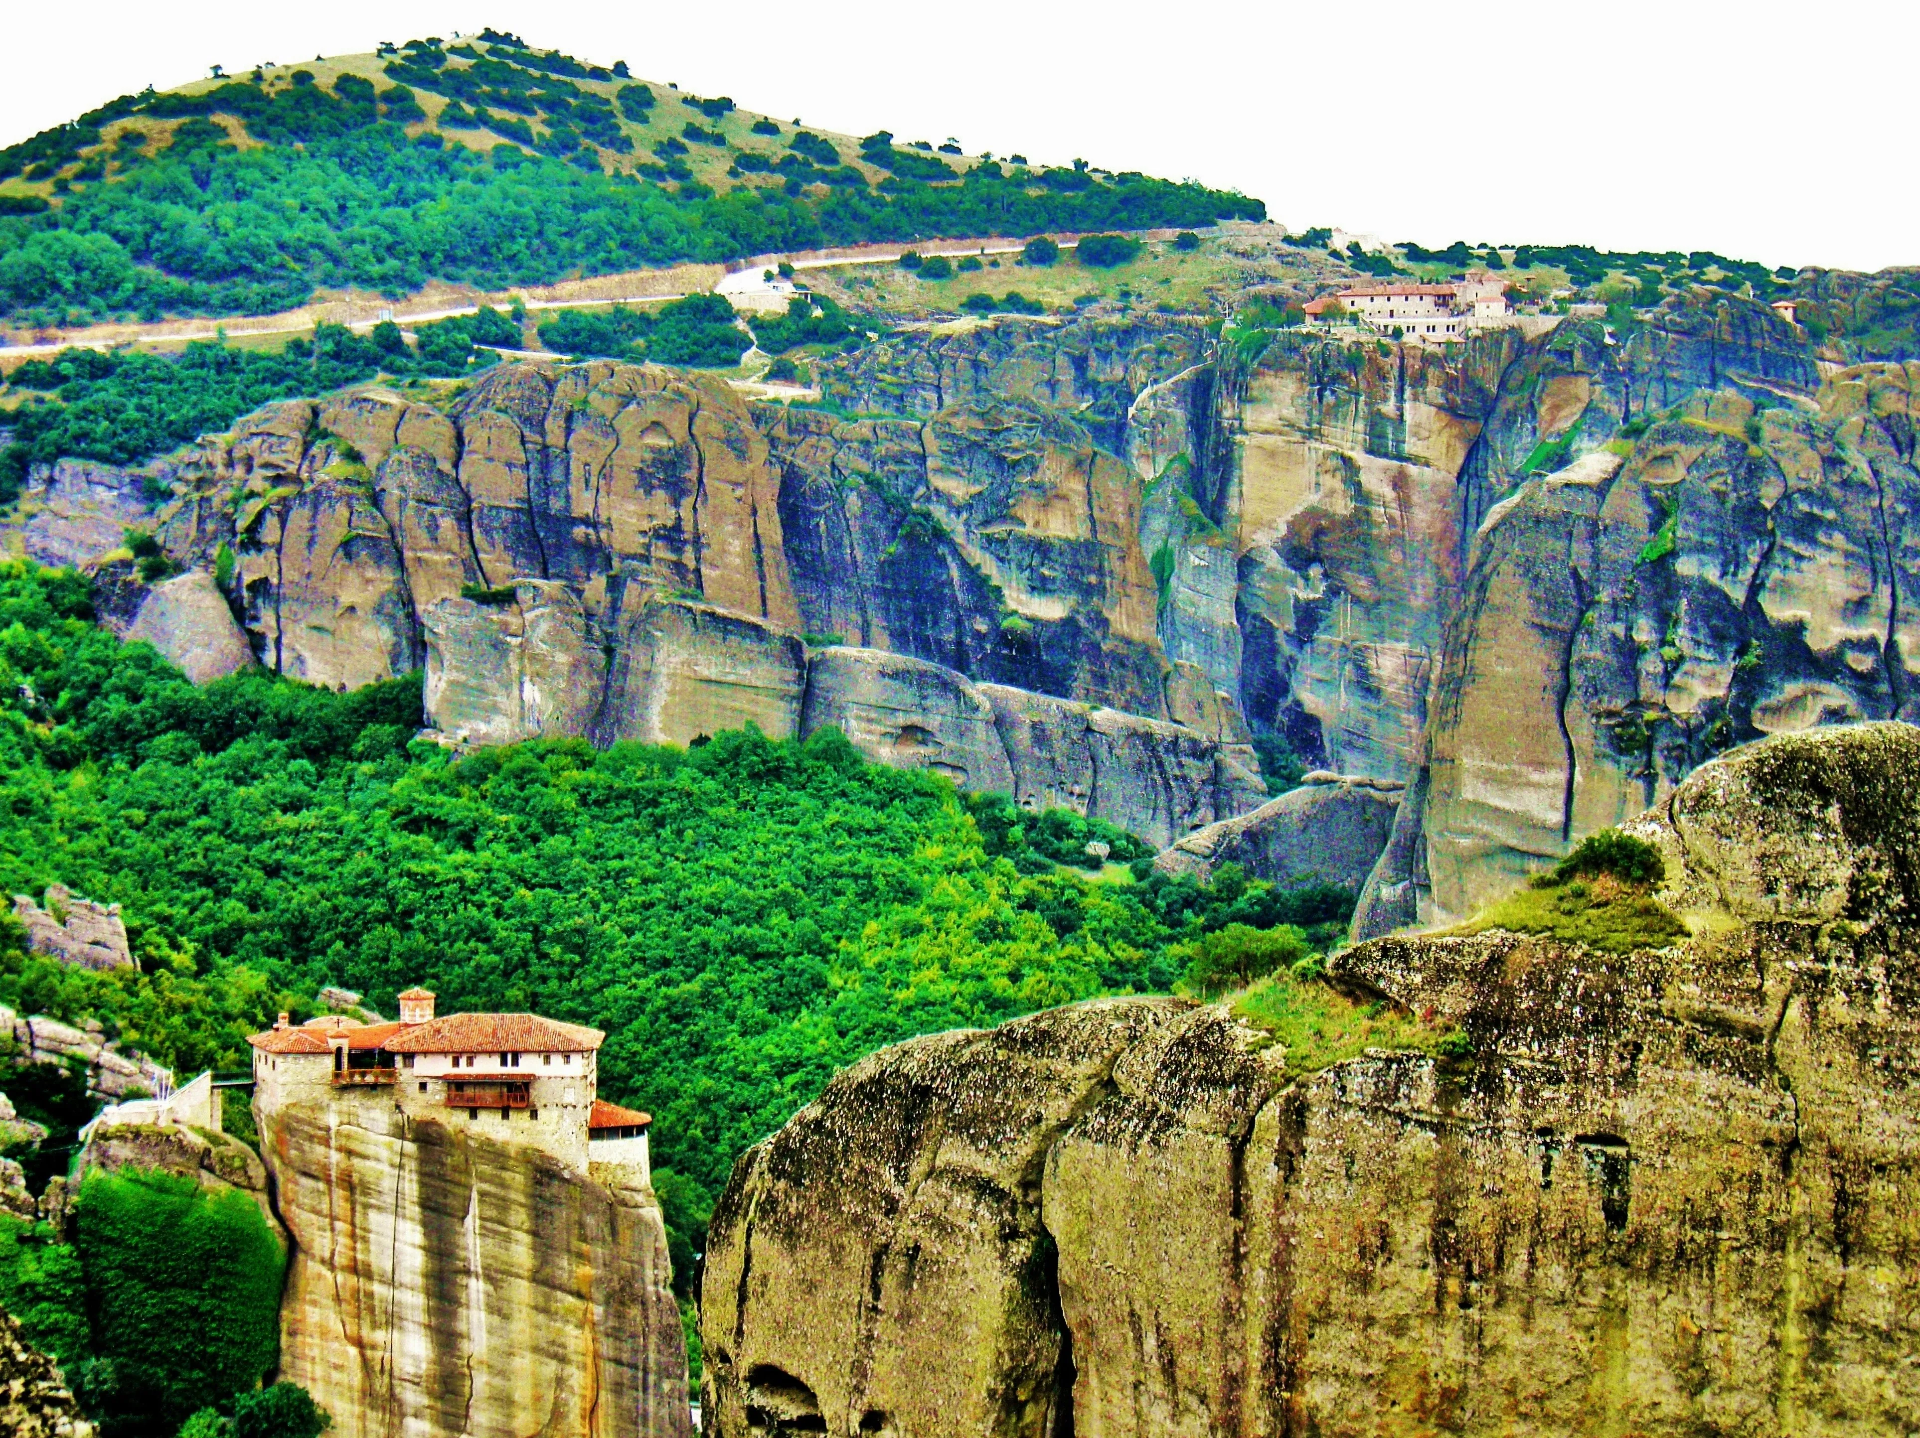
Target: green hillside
{"type": "Point", "coordinates": [486, 162]}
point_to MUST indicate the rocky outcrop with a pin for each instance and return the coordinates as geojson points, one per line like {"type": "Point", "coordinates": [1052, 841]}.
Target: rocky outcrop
{"type": "Point", "coordinates": [34, 1399]}
{"type": "Point", "coordinates": [1330, 830]}
{"type": "Point", "coordinates": [74, 511]}
{"type": "Point", "coordinates": [1744, 570]}
{"type": "Point", "coordinates": [213, 1160]}
{"type": "Point", "coordinates": [17, 1132]}
{"type": "Point", "coordinates": [446, 1283]}
{"type": "Point", "coordinates": [74, 930]}
{"type": "Point", "coordinates": [1671, 1191]}
{"type": "Point", "coordinates": [1152, 778]}
{"type": "Point", "coordinates": [111, 1074]}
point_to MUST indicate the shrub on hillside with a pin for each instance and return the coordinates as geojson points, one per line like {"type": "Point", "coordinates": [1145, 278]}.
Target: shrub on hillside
{"type": "Point", "coordinates": [1237, 955]}
{"type": "Point", "coordinates": [936, 267]}
{"type": "Point", "coordinates": [1608, 851]}
{"type": "Point", "coordinates": [1186, 240]}
{"type": "Point", "coordinates": [286, 1410]}
{"type": "Point", "coordinates": [1040, 251]}
{"type": "Point", "coordinates": [184, 1289]}
{"type": "Point", "coordinates": [1108, 251]}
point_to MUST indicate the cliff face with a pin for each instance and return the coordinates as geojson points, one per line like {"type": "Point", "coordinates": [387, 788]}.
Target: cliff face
{"type": "Point", "coordinates": [1537, 579]}
{"type": "Point", "coordinates": [446, 1283]}
{"type": "Point", "coordinates": [1672, 1192]}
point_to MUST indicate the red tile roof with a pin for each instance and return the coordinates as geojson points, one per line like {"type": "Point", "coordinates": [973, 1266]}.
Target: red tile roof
{"type": "Point", "coordinates": [611, 1115]}
{"type": "Point", "coordinates": [417, 994]}
{"type": "Point", "coordinates": [290, 1041]}
{"type": "Point", "coordinates": [494, 1033]}
{"type": "Point", "coordinates": [372, 1036]}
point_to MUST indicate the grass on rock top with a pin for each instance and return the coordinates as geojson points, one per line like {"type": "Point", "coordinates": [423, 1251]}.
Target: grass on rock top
{"type": "Point", "coordinates": [1600, 895]}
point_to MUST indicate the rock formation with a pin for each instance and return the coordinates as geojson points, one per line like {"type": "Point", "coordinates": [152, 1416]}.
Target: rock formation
{"type": "Point", "coordinates": [444, 1283]}
{"type": "Point", "coordinates": [1550, 572]}
{"type": "Point", "coordinates": [187, 619]}
{"type": "Point", "coordinates": [1330, 830]}
{"type": "Point", "coordinates": [111, 1074]}
{"type": "Point", "coordinates": [74, 930]}
{"type": "Point", "coordinates": [34, 1399]}
{"type": "Point", "coordinates": [1671, 1191]}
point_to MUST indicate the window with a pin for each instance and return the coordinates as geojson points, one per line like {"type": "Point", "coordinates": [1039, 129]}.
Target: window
{"type": "Point", "coordinates": [533, 1113]}
{"type": "Point", "coordinates": [423, 1088]}
{"type": "Point", "coordinates": [569, 1058]}
{"type": "Point", "coordinates": [503, 1060]}
{"type": "Point", "coordinates": [546, 1059]}
{"type": "Point", "coordinates": [409, 1060]}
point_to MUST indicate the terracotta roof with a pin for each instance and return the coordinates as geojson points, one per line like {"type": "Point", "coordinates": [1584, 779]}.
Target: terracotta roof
{"type": "Point", "coordinates": [417, 994]}
{"type": "Point", "coordinates": [372, 1036]}
{"type": "Point", "coordinates": [494, 1033]}
{"type": "Point", "coordinates": [611, 1115]}
{"type": "Point", "coordinates": [290, 1041]}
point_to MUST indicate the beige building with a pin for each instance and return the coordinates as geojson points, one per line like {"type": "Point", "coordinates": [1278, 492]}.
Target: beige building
{"type": "Point", "coordinates": [526, 1078]}
{"type": "Point", "coordinates": [1422, 311]}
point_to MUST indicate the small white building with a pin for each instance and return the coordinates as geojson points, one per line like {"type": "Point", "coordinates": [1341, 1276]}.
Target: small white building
{"type": "Point", "coordinates": [523, 1077]}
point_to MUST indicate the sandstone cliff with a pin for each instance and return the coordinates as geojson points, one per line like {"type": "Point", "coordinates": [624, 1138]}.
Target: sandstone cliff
{"type": "Point", "coordinates": [449, 1285]}
{"type": "Point", "coordinates": [1538, 579]}
{"type": "Point", "coordinates": [1671, 1192]}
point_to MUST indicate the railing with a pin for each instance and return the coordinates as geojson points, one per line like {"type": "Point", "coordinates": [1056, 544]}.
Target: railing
{"type": "Point", "coordinates": [488, 1096]}
{"type": "Point", "coordinates": [365, 1076]}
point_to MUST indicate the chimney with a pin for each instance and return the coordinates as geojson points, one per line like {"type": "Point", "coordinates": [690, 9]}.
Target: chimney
{"type": "Point", "coordinates": [281, 1022]}
{"type": "Point", "coordinates": [416, 1006]}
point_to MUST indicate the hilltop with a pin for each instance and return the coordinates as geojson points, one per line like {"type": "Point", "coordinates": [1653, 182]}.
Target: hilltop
{"type": "Point", "coordinates": [487, 162]}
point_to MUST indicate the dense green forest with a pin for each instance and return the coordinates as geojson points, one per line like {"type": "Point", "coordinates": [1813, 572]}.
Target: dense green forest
{"type": "Point", "coordinates": [743, 918]}
{"type": "Point", "coordinates": [332, 188]}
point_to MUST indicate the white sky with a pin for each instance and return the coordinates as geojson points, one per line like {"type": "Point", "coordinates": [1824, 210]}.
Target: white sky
{"type": "Point", "coordinates": [1764, 131]}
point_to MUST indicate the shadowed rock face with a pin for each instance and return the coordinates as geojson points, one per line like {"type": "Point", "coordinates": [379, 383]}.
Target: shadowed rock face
{"type": "Point", "coordinates": [445, 1283]}
{"type": "Point", "coordinates": [1330, 832]}
{"type": "Point", "coordinates": [34, 1399]}
{"type": "Point", "coordinates": [1672, 1192]}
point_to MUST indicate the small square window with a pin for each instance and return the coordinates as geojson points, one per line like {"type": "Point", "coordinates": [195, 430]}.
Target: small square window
{"type": "Point", "coordinates": [423, 1088]}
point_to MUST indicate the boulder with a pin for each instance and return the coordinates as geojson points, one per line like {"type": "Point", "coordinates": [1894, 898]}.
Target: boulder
{"type": "Point", "coordinates": [908, 713]}
{"type": "Point", "coordinates": [1152, 778]}
{"type": "Point", "coordinates": [1330, 832]}
{"type": "Point", "coordinates": [75, 931]}
{"type": "Point", "coordinates": [498, 673]}
{"type": "Point", "coordinates": [187, 619]}
{"type": "Point", "coordinates": [1630, 1201]}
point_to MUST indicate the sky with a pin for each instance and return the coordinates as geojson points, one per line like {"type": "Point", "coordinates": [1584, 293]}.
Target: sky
{"type": "Point", "coordinates": [1763, 131]}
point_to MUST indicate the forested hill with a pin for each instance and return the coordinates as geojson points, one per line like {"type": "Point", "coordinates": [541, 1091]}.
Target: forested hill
{"type": "Point", "coordinates": [488, 162]}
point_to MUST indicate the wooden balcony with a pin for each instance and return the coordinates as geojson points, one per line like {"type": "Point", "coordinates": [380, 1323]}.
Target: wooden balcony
{"type": "Point", "coordinates": [364, 1076]}
{"type": "Point", "coordinates": [481, 1093]}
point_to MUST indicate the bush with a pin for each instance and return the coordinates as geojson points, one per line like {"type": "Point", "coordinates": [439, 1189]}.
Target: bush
{"type": "Point", "coordinates": [1186, 240]}
{"type": "Point", "coordinates": [285, 1410]}
{"type": "Point", "coordinates": [1608, 851]}
{"type": "Point", "coordinates": [1108, 251]}
{"type": "Point", "coordinates": [936, 267]}
{"type": "Point", "coordinates": [184, 1289]}
{"type": "Point", "coordinates": [1040, 251]}
{"type": "Point", "coordinates": [1237, 955]}
{"type": "Point", "coordinates": [969, 264]}
{"type": "Point", "coordinates": [911, 260]}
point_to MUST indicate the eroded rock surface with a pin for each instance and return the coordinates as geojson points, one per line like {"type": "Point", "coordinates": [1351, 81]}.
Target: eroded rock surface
{"type": "Point", "coordinates": [1328, 832]}
{"type": "Point", "coordinates": [453, 1285]}
{"type": "Point", "coordinates": [1672, 1192]}
{"type": "Point", "coordinates": [74, 930]}
{"type": "Point", "coordinates": [34, 1399]}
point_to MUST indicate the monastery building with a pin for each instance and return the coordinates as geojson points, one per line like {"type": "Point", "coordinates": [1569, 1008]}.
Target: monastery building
{"type": "Point", "coordinates": [523, 1077]}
